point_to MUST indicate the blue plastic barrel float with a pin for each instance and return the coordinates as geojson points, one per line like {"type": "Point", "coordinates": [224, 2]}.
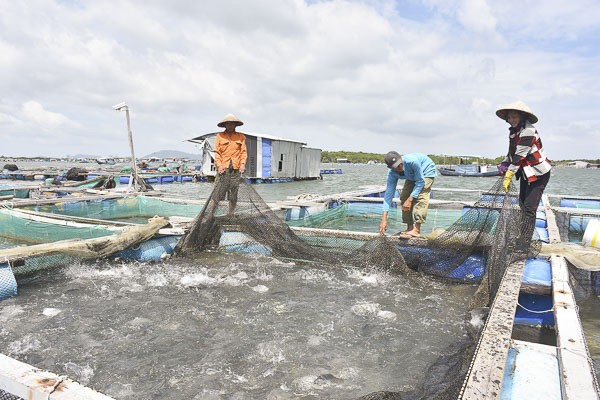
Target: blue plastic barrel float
{"type": "Point", "coordinates": [150, 250]}
{"type": "Point", "coordinates": [470, 270]}
{"type": "Point", "coordinates": [543, 234]}
{"type": "Point", "coordinates": [537, 272]}
{"type": "Point", "coordinates": [530, 312]}
{"type": "Point", "coordinates": [540, 219]}
{"type": "Point", "coordinates": [534, 310]}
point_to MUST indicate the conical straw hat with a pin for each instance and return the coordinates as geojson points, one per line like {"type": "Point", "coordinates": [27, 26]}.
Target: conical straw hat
{"type": "Point", "coordinates": [519, 106]}
{"type": "Point", "coordinates": [230, 118]}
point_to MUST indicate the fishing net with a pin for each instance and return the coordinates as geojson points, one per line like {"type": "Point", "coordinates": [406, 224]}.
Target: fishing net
{"type": "Point", "coordinates": [7, 396]}
{"type": "Point", "coordinates": [476, 248]}
{"type": "Point", "coordinates": [572, 222]}
{"type": "Point", "coordinates": [583, 261]}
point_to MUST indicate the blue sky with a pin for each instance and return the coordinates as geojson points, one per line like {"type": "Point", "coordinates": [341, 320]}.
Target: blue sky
{"type": "Point", "coordinates": [372, 75]}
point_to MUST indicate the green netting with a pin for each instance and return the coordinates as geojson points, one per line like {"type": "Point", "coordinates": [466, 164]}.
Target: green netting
{"type": "Point", "coordinates": [365, 217]}
{"type": "Point", "coordinates": [13, 226]}
{"type": "Point", "coordinates": [129, 207]}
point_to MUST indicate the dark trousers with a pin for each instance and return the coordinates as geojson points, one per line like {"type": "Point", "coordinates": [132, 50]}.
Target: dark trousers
{"type": "Point", "coordinates": [530, 194]}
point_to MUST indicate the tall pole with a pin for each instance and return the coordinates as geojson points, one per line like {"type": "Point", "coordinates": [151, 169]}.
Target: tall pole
{"type": "Point", "coordinates": [133, 160]}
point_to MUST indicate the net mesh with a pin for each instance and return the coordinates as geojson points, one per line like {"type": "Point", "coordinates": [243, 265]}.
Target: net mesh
{"type": "Point", "coordinates": [476, 248]}
{"type": "Point", "coordinates": [121, 208]}
{"type": "Point", "coordinates": [7, 396]}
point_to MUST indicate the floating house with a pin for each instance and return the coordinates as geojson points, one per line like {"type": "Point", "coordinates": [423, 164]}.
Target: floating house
{"type": "Point", "coordinates": [269, 157]}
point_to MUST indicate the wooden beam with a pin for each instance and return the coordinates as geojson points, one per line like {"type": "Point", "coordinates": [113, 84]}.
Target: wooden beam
{"type": "Point", "coordinates": [28, 382]}
{"type": "Point", "coordinates": [553, 232]}
{"type": "Point", "coordinates": [485, 377]}
{"type": "Point", "coordinates": [90, 248]}
{"type": "Point", "coordinates": [577, 374]}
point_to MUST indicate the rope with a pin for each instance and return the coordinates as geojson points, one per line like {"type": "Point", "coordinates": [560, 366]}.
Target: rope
{"type": "Point", "coordinates": [534, 311]}
{"type": "Point", "coordinates": [53, 388]}
{"type": "Point", "coordinates": [8, 204]}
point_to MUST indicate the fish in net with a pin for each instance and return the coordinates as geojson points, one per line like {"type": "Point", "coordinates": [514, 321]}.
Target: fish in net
{"type": "Point", "coordinates": [476, 249]}
{"type": "Point", "coordinates": [492, 233]}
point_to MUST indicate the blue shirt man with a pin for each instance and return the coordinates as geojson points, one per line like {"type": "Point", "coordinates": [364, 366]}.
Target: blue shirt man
{"type": "Point", "coordinates": [419, 172]}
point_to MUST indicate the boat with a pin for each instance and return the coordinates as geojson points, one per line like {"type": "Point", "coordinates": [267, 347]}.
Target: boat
{"type": "Point", "coordinates": [330, 171]}
{"type": "Point", "coordinates": [93, 181]}
{"type": "Point", "coordinates": [105, 161]}
{"type": "Point", "coordinates": [468, 168]}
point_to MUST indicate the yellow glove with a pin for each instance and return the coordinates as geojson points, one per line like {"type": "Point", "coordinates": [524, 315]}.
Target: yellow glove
{"type": "Point", "coordinates": [507, 178]}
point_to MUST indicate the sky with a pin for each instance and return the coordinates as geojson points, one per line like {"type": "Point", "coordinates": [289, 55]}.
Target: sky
{"type": "Point", "coordinates": [363, 75]}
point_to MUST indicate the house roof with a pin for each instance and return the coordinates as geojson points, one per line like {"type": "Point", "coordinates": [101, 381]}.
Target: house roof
{"type": "Point", "coordinates": [201, 138]}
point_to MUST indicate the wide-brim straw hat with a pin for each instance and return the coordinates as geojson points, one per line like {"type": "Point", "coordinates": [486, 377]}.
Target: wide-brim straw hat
{"type": "Point", "coordinates": [230, 118]}
{"type": "Point", "coordinates": [518, 106]}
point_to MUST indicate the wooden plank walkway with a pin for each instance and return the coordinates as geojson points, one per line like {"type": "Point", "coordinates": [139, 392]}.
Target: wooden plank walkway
{"type": "Point", "coordinates": [577, 373]}
{"type": "Point", "coordinates": [485, 377]}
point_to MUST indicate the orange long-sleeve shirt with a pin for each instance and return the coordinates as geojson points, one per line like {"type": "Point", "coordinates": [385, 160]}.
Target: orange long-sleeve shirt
{"type": "Point", "coordinates": [230, 148]}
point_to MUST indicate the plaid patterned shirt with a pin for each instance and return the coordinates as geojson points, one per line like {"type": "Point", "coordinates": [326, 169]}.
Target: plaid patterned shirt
{"type": "Point", "coordinates": [525, 151]}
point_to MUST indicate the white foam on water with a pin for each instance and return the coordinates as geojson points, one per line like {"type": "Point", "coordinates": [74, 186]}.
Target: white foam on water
{"type": "Point", "coordinates": [23, 346]}
{"type": "Point", "coordinates": [387, 315]}
{"type": "Point", "coordinates": [271, 352]}
{"type": "Point", "coordinates": [79, 373]}
{"type": "Point", "coordinates": [234, 280]}
{"type": "Point", "coordinates": [132, 288]}
{"type": "Point", "coordinates": [10, 312]}
{"type": "Point", "coordinates": [370, 278]}
{"type": "Point", "coordinates": [260, 289]}
{"type": "Point", "coordinates": [314, 275]}
{"type": "Point", "coordinates": [138, 321]}
{"type": "Point", "coordinates": [366, 309]}
{"type": "Point", "coordinates": [314, 340]}
{"type": "Point", "coordinates": [310, 383]}
{"type": "Point", "coordinates": [198, 280]}
{"type": "Point", "coordinates": [325, 329]}
{"type": "Point", "coordinates": [306, 383]}
{"type": "Point", "coordinates": [241, 276]}
{"type": "Point", "coordinates": [157, 280]}
{"type": "Point", "coordinates": [263, 275]}
{"type": "Point", "coordinates": [348, 373]}
{"type": "Point", "coordinates": [78, 271]}
{"type": "Point", "coordinates": [51, 312]}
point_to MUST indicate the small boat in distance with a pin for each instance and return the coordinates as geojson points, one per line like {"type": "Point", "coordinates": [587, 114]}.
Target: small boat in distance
{"type": "Point", "coordinates": [107, 161]}
{"type": "Point", "coordinates": [472, 169]}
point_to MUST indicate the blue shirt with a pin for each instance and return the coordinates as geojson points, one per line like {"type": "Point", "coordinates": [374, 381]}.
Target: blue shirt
{"type": "Point", "coordinates": [417, 167]}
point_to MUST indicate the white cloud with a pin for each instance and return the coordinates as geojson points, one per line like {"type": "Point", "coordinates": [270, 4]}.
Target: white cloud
{"type": "Point", "coordinates": [476, 15]}
{"type": "Point", "coordinates": [351, 75]}
{"type": "Point", "coordinates": [33, 111]}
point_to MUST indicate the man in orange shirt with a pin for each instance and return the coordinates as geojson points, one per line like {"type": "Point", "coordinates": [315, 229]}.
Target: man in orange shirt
{"type": "Point", "coordinates": [230, 160]}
